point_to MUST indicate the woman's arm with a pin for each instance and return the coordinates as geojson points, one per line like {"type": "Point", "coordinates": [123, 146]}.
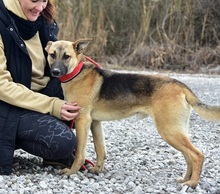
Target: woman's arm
{"type": "Point", "coordinates": [18, 95]}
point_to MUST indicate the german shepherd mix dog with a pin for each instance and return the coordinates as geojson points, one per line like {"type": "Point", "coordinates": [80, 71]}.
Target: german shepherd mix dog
{"type": "Point", "coordinates": [105, 95]}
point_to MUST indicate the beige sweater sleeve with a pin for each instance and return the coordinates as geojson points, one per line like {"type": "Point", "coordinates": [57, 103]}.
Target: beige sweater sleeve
{"type": "Point", "coordinates": [19, 95]}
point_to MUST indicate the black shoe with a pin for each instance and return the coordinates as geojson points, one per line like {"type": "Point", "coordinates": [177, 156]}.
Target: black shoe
{"type": "Point", "coordinates": [67, 163]}
{"type": "Point", "coordinates": [64, 162]}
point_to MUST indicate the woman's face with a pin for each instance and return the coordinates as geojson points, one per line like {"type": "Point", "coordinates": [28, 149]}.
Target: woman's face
{"type": "Point", "coordinates": [32, 8]}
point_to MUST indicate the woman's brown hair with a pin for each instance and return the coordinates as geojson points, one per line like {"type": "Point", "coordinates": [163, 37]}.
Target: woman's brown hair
{"type": "Point", "coordinates": [49, 12]}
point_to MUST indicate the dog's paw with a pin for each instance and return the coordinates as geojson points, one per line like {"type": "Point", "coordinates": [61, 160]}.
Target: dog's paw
{"type": "Point", "coordinates": [95, 170]}
{"type": "Point", "coordinates": [180, 180]}
{"type": "Point", "coordinates": [192, 184]}
{"type": "Point", "coordinates": [187, 183]}
{"type": "Point", "coordinates": [67, 171]}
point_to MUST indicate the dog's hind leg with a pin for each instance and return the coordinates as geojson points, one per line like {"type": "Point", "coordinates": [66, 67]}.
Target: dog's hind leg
{"type": "Point", "coordinates": [99, 143]}
{"type": "Point", "coordinates": [172, 127]}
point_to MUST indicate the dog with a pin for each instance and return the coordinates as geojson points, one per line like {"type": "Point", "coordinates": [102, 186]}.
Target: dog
{"type": "Point", "coordinates": [106, 95]}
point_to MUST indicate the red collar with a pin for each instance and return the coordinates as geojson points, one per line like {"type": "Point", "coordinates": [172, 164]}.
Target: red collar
{"type": "Point", "coordinates": [77, 70]}
{"type": "Point", "coordinates": [73, 74]}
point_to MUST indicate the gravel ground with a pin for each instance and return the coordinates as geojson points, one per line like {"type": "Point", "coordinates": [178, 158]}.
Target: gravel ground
{"type": "Point", "coordinates": [138, 161]}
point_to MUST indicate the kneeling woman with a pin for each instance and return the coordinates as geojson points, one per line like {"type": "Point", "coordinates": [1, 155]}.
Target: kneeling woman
{"type": "Point", "coordinates": [32, 109]}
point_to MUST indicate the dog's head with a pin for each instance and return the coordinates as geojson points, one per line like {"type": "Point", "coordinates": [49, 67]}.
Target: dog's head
{"type": "Point", "coordinates": [63, 56]}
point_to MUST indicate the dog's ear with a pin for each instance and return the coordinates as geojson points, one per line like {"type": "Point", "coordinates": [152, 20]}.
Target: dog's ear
{"type": "Point", "coordinates": [48, 46]}
{"type": "Point", "coordinates": [81, 44]}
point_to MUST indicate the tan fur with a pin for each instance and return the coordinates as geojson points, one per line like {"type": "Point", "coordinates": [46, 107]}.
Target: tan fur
{"type": "Point", "coordinates": [166, 100]}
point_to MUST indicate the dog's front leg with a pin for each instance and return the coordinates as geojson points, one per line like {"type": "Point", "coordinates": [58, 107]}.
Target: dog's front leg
{"type": "Point", "coordinates": [82, 125]}
{"type": "Point", "coordinates": [99, 143]}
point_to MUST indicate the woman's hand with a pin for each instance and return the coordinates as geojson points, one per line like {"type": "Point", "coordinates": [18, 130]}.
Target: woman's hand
{"type": "Point", "coordinates": [69, 111]}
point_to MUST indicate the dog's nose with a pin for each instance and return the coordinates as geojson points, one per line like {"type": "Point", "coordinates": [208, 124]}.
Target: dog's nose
{"type": "Point", "coordinates": [56, 72]}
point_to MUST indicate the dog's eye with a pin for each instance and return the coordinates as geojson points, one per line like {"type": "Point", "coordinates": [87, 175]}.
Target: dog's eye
{"type": "Point", "coordinates": [65, 56]}
{"type": "Point", "coordinates": [53, 55]}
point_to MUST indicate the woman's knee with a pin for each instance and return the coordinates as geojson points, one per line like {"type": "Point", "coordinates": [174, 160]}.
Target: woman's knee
{"type": "Point", "coordinates": [68, 147]}
{"type": "Point", "coordinates": [45, 136]}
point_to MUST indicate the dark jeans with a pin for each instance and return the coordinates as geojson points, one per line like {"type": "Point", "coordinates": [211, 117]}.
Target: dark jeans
{"type": "Point", "coordinates": [44, 135]}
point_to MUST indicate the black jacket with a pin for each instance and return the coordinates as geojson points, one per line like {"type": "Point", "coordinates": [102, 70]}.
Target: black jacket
{"type": "Point", "coordinates": [20, 66]}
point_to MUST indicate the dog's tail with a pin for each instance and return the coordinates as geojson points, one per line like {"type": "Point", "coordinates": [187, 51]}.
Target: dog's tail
{"type": "Point", "coordinates": [205, 111]}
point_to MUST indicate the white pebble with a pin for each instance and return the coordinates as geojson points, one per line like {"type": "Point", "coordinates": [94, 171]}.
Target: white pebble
{"type": "Point", "coordinates": [43, 184]}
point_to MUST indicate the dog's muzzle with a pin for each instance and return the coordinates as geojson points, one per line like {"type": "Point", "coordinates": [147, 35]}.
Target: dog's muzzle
{"type": "Point", "coordinates": [58, 69]}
